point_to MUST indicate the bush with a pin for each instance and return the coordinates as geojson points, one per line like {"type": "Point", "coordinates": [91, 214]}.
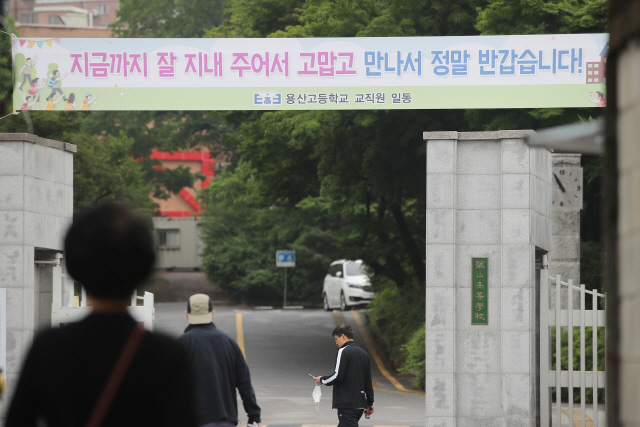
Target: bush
{"type": "Point", "coordinates": [396, 318]}
{"type": "Point", "coordinates": [414, 363]}
{"type": "Point", "coordinates": [564, 359]}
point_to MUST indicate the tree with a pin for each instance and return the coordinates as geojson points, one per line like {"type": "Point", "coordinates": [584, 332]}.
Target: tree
{"type": "Point", "coordinates": [104, 171]}
{"type": "Point", "coordinates": [6, 79]}
{"type": "Point", "coordinates": [240, 234]}
{"type": "Point", "coordinates": [165, 131]}
{"type": "Point", "coordinates": [167, 18]}
{"type": "Point", "coordinates": [257, 18]}
{"type": "Point", "coordinates": [543, 17]}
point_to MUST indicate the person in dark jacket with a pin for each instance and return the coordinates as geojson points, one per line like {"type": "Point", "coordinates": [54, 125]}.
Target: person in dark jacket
{"type": "Point", "coordinates": [221, 369]}
{"type": "Point", "coordinates": [351, 380]}
{"type": "Point", "coordinates": [109, 250]}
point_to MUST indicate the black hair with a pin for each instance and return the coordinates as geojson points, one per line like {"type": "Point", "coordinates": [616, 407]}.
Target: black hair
{"type": "Point", "coordinates": [27, 59]}
{"type": "Point", "coordinates": [55, 71]}
{"type": "Point", "coordinates": [34, 80]}
{"type": "Point", "coordinates": [109, 250]}
{"type": "Point", "coordinates": [72, 97]}
{"type": "Point", "coordinates": [28, 98]}
{"type": "Point", "coordinates": [343, 329]}
{"type": "Point", "coordinates": [600, 94]}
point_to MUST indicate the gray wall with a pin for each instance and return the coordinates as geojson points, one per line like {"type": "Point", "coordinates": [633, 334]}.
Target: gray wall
{"type": "Point", "coordinates": [628, 232]}
{"type": "Point", "coordinates": [488, 195]}
{"type": "Point", "coordinates": [187, 256]}
{"type": "Point", "coordinates": [36, 207]}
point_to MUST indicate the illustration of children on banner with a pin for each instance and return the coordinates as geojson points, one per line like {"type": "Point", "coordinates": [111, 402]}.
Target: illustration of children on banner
{"type": "Point", "coordinates": [87, 100]}
{"type": "Point", "coordinates": [28, 102]}
{"type": "Point", "coordinates": [51, 103]}
{"type": "Point", "coordinates": [71, 102]}
{"type": "Point", "coordinates": [25, 72]}
{"type": "Point", "coordinates": [55, 83]}
{"type": "Point", "coordinates": [598, 99]}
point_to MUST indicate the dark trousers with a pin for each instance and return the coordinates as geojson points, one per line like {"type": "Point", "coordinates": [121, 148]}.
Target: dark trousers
{"type": "Point", "coordinates": [349, 417]}
{"type": "Point", "coordinates": [27, 76]}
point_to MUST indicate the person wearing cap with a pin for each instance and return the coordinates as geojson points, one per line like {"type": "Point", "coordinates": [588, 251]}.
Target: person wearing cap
{"type": "Point", "coordinates": [220, 368]}
{"type": "Point", "coordinates": [105, 370]}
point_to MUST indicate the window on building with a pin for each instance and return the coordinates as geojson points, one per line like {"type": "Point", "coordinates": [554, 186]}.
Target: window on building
{"type": "Point", "coordinates": [56, 20]}
{"type": "Point", "coordinates": [102, 9]}
{"type": "Point", "coordinates": [168, 239]}
{"type": "Point", "coordinates": [29, 18]}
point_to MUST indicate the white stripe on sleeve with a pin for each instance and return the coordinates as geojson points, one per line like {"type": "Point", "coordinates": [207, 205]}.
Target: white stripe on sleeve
{"type": "Point", "coordinates": [335, 374]}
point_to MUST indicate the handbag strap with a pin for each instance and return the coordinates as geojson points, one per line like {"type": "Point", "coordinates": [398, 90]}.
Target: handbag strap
{"type": "Point", "coordinates": [116, 377]}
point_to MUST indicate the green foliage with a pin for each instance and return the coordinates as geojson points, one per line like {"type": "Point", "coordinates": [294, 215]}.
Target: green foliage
{"type": "Point", "coordinates": [592, 264]}
{"type": "Point", "coordinates": [47, 124]}
{"type": "Point", "coordinates": [167, 18]}
{"type": "Point", "coordinates": [396, 316]}
{"type": "Point", "coordinates": [256, 18]}
{"type": "Point", "coordinates": [162, 130]}
{"type": "Point", "coordinates": [543, 17]}
{"type": "Point", "coordinates": [104, 171]}
{"type": "Point", "coordinates": [242, 233]}
{"type": "Point", "coordinates": [414, 363]}
{"type": "Point", "coordinates": [6, 79]}
{"type": "Point", "coordinates": [588, 351]}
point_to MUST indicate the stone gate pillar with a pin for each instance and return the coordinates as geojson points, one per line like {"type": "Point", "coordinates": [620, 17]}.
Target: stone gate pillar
{"type": "Point", "coordinates": [488, 196]}
{"type": "Point", "coordinates": [36, 207]}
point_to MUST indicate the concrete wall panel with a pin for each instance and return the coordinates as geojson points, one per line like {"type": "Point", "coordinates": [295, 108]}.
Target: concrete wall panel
{"type": "Point", "coordinates": [479, 157]}
{"type": "Point", "coordinates": [11, 193]}
{"type": "Point", "coordinates": [478, 227]}
{"type": "Point", "coordinates": [515, 191]}
{"type": "Point", "coordinates": [515, 156]}
{"type": "Point", "coordinates": [440, 265]}
{"type": "Point", "coordinates": [479, 192]}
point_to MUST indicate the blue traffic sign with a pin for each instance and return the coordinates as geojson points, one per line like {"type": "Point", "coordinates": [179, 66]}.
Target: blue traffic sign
{"type": "Point", "coordinates": [285, 259]}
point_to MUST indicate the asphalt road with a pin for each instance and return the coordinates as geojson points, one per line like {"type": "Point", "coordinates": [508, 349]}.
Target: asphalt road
{"type": "Point", "coordinates": [283, 346]}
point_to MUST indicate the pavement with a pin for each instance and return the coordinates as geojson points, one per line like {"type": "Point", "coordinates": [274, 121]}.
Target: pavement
{"type": "Point", "coordinates": [566, 421]}
{"type": "Point", "coordinates": [282, 347]}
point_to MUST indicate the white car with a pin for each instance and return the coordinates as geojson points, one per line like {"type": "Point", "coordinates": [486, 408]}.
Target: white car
{"type": "Point", "coordinates": [346, 285]}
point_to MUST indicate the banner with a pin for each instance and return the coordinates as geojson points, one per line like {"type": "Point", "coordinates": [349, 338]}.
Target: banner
{"type": "Point", "coordinates": [310, 73]}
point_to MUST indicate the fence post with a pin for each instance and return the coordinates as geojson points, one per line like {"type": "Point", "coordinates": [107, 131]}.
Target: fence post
{"type": "Point", "coordinates": [570, 345]}
{"type": "Point", "coordinates": [545, 354]}
{"type": "Point", "coordinates": [594, 346]}
{"type": "Point", "coordinates": [558, 371]}
{"type": "Point", "coordinates": [583, 367]}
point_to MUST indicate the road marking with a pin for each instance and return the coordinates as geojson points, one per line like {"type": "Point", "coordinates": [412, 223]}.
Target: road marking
{"type": "Point", "coordinates": [240, 334]}
{"type": "Point", "coordinates": [339, 318]}
{"type": "Point", "coordinates": [577, 419]}
{"type": "Point", "coordinates": [376, 358]}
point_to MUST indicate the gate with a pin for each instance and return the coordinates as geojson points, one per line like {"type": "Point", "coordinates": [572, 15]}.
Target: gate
{"type": "Point", "coordinates": [72, 310]}
{"type": "Point", "coordinates": [570, 318]}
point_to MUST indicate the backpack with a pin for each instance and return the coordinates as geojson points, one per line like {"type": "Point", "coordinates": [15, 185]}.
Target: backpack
{"type": "Point", "coordinates": [33, 89]}
{"type": "Point", "coordinates": [52, 82]}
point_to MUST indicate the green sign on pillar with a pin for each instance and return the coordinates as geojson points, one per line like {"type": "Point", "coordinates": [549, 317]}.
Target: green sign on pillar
{"type": "Point", "coordinates": [479, 291]}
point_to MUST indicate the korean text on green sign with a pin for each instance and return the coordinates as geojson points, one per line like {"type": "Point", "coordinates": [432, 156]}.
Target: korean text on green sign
{"type": "Point", "coordinates": [479, 291]}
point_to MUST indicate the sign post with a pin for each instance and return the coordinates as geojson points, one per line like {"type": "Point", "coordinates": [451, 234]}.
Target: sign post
{"type": "Point", "coordinates": [285, 259]}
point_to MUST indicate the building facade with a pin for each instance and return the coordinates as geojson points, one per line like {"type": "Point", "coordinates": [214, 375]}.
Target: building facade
{"type": "Point", "coordinates": [44, 18]}
{"type": "Point", "coordinates": [177, 228]}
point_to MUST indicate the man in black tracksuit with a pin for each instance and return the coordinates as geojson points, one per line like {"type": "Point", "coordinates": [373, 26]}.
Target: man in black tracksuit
{"type": "Point", "coordinates": [351, 381]}
{"type": "Point", "coordinates": [220, 369]}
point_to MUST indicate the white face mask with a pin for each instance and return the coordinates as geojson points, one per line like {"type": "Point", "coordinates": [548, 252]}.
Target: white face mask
{"type": "Point", "coordinates": [317, 394]}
